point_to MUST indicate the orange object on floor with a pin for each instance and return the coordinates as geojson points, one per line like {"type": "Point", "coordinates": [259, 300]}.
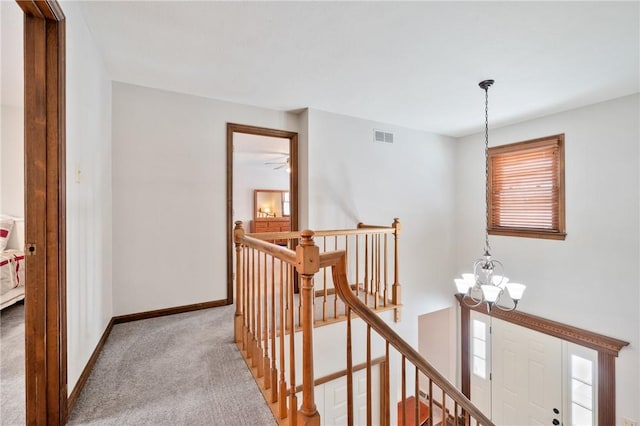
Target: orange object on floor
{"type": "Point", "coordinates": [410, 412]}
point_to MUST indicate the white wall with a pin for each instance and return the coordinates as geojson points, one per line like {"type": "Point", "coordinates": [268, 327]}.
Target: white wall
{"type": "Point", "coordinates": [352, 179]}
{"type": "Point", "coordinates": [590, 280]}
{"type": "Point", "coordinates": [12, 161]}
{"type": "Point", "coordinates": [169, 186]}
{"type": "Point", "coordinates": [436, 342]}
{"type": "Point", "coordinates": [89, 306]}
{"type": "Point", "coordinates": [11, 110]}
{"type": "Point", "coordinates": [249, 176]}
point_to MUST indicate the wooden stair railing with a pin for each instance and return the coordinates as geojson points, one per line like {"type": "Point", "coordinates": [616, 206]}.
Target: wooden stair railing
{"type": "Point", "coordinates": [268, 312]}
{"type": "Point", "coordinates": [455, 407]}
{"type": "Point", "coordinates": [265, 321]}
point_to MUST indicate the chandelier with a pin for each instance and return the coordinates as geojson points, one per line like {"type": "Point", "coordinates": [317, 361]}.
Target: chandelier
{"type": "Point", "coordinates": [487, 283]}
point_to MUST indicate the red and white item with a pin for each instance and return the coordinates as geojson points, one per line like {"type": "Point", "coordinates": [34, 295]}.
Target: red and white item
{"type": "Point", "coordinates": [6, 225]}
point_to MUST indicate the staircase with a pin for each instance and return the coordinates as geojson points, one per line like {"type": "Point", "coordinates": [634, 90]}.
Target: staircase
{"type": "Point", "coordinates": [334, 277]}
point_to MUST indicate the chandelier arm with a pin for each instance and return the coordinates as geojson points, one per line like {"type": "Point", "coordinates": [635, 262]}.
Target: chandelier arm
{"type": "Point", "coordinates": [513, 308]}
{"type": "Point", "coordinates": [471, 305]}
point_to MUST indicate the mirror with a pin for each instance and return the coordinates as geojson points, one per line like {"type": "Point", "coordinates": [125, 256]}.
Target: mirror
{"type": "Point", "coordinates": [271, 203]}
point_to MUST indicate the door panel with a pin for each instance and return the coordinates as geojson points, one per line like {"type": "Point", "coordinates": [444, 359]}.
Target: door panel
{"type": "Point", "coordinates": [527, 375]}
{"type": "Point", "coordinates": [333, 407]}
{"type": "Point", "coordinates": [335, 402]}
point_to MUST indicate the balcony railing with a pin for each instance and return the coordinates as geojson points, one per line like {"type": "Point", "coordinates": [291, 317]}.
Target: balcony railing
{"type": "Point", "coordinates": [357, 275]}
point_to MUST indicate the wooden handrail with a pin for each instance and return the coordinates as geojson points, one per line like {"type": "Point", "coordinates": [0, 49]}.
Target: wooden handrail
{"type": "Point", "coordinates": [279, 252]}
{"type": "Point", "coordinates": [365, 226]}
{"type": "Point", "coordinates": [386, 332]}
{"type": "Point", "coordinates": [269, 236]}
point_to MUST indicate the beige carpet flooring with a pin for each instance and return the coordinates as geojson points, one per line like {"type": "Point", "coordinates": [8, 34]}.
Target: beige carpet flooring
{"type": "Point", "coordinates": [181, 369]}
{"type": "Point", "coordinates": [12, 397]}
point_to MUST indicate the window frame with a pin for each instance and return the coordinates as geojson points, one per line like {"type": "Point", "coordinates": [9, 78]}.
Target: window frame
{"type": "Point", "coordinates": [547, 141]}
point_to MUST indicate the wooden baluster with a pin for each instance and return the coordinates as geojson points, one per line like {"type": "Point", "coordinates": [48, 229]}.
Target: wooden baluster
{"type": "Point", "coordinates": [386, 390]}
{"type": "Point", "coordinates": [376, 296]}
{"type": "Point", "coordinates": [385, 294]}
{"type": "Point", "coordinates": [252, 325]}
{"type": "Point", "coordinates": [346, 256]}
{"type": "Point", "coordinates": [349, 371]}
{"type": "Point", "coordinates": [238, 232]}
{"type": "Point", "coordinates": [444, 408]}
{"type": "Point", "coordinates": [404, 392]}
{"type": "Point", "coordinates": [289, 308]}
{"type": "Point", "coordinates": [245, 272]}
{"type": "Point", "coordinates": [372, 274]}
{"type": "Point", "coordinates": [265, 326]}
{"type": "Point", "coordinates": [357, 265]}
{"type": "Point", "coordinates": [274, 369]}
{"type": "Point", "coordinates": [456, 413]}
{"type": "Point", "coordinates": [369, 392]}
{"type": "Point", "coordinates": [366, 269]}
{"type": "Point", "coordinates": [346, 253]}
{"type": "Point", "coordinates": [258, 354]}
{"type": "Point", "coordinates": [335, 295]}
{"type": "Point", "coordinates": [417, 398]}
{"type": "Point", "coordinates": [431, 398]}
{"type": "Point", "coordinates": [307, 264]}
{"type": "Point", "coordinates": [395, 288]}
{"type": "Point", "coordinates": [293, 399]}
{"type": "Point", "coordinates": [283, 328]}
{"type": "Point", "coordinates": [324, 282]}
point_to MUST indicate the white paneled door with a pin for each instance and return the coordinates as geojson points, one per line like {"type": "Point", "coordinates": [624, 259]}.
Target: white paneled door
{"type": "Point", "coordinates": [526, 376]}
{"type": "Point", "coordinates": [333, 408]}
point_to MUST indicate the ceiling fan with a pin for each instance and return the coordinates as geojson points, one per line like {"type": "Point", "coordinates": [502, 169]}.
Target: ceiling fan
{"type": "Point", "coordinates": [279, 164]}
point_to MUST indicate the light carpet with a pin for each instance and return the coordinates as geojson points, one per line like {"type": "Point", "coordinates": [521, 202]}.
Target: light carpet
{"type": "Point", "coordinates": [12, 396]}
{"type": "Point", "coordinates": [181, 369]}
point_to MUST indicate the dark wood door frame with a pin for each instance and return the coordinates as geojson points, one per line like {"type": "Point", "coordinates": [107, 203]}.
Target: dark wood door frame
{"type": "Point", "coordinates": [45, 213]}
{"type": "Point", "coordinates": [293, 185]}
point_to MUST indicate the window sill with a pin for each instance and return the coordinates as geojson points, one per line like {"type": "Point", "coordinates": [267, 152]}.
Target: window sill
{"type": "Point", "coordinates": [528, 233]}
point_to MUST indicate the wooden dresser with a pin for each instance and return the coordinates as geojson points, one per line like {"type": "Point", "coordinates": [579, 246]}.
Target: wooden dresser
{"type": "Point", "coordinates": [272, 224]}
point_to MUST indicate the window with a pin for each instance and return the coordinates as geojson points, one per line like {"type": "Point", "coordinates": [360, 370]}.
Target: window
{"type": "Point", "coordinates": [286, 204]}
{"type": "Point", "coordinates": [526, 189]}
{"type": "Point", "coordinates": [479, 349]}
{"type": "Point", "coordinates": [581, 385]}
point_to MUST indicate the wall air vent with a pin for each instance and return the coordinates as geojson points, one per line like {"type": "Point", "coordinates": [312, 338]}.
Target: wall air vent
{"type": "Point", "coordinates": [382, 136]}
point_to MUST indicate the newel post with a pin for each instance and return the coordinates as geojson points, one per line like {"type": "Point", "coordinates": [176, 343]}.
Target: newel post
{"type": "Point", "coordinates": [238, 321]}
{"type": "Point", "coordinates": [307, 264]}
{"type": "Point", "coordinates": [395, 289]}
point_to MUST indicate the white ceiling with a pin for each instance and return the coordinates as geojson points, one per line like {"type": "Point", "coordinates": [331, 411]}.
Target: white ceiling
{"type": "Point", "coordinates": [414, 64]}
{"type": "Point", "coordinates": [257, 150]}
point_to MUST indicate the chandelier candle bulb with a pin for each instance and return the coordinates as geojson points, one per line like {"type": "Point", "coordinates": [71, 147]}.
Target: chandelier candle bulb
{"type": "Point", "coordinates": [484, 284]}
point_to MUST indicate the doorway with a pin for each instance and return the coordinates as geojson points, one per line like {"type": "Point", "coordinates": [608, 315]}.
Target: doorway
{"type": "Point", "coordinates": [262, 146]}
